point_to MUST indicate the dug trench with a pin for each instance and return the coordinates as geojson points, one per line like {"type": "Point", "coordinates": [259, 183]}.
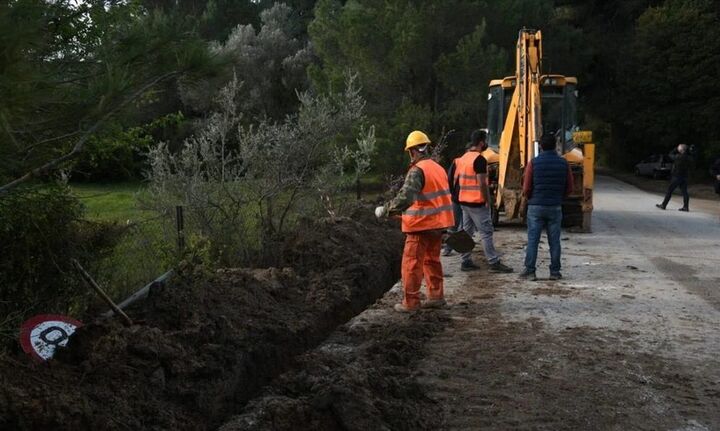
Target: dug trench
{"type": "Point", "coordinates": [365, 376]}
{"type": "Point", "coordinates": [207, 342]}
{"type": "Point", "coordinates": [492, 359]}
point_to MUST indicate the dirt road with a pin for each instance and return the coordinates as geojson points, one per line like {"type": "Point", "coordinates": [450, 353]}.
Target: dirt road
{"type": "Point", "coordinates": [629, 339]}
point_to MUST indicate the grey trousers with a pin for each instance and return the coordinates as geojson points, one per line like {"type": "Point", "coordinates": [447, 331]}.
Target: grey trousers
{"type": "Point", "coordinates": [478, 219]}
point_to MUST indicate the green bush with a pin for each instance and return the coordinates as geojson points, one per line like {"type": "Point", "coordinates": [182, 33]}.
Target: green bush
{"type": "Point", "coordinates": [120, 153]}
{"type": "Point", "coordinates": [41, 231]}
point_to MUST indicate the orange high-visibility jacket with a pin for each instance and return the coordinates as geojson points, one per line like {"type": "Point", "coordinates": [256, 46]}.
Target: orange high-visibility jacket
{"type": "Point", "coordinates": [433, 207]}
{"type": "Point", "coordinates": [467, 180]}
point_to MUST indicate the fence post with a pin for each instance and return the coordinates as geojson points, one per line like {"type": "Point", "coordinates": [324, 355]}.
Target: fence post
{"type": "Point", "coordinates": [180, 228]}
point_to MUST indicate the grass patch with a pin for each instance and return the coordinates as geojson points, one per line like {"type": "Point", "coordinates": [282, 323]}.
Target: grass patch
{"type": "Point", "coordinates": [144, 252]}
{"type": "Point", "coordinates": [148, 248]}
{"type": "Point", "coordinates": [111, 202]}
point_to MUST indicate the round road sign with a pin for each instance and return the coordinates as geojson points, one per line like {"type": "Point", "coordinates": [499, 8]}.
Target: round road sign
{"type": "Point", "coordinates": [41, 335]}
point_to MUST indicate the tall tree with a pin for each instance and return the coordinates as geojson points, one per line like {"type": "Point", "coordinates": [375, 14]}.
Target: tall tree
{"type": "Point", "coordinates": [427, 64]}
{"type": "Point", "coordinates": [668, 89]}
{"type": "Point", "coordinates": [270, 62]}
{"type": "Point", "coordinates": [67, 69]}
{"type": "Point", "coordinates": [215, 18]}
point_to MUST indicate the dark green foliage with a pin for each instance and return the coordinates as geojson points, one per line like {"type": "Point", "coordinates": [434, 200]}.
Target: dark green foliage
{"type": "Point", "coordinates": [41, 230]}
{"type": "Point", "coordinates": [404, 54]}
{"type": "Point", "coordinates": [648, 77]}
{"type": "Point", "coordinates": [646, 68]}
{"type": "Point", "coordinates": [65, 66]}
{"type": "Point", "coordinates": [215, 18]}
{"type": "Point", "coordinates": [672, 95]}
{"type": "Point", "coordinates": [427, 65]}
{"type": "Point", "coordinates": [119, 154]}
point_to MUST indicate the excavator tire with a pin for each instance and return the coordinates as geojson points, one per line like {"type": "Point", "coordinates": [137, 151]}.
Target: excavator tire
{"type": "Point", "coordinates": [572, 214]}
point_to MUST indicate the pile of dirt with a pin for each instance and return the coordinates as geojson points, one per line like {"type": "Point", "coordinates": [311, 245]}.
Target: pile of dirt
{"type": "Point", "coordinates": [363, 377]}
{"type": "Point", "coordinates": [206, 343]}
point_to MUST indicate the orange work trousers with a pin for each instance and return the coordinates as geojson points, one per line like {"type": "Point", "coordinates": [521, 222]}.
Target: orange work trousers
{"type": "Point", "coordinates": [421, 259]}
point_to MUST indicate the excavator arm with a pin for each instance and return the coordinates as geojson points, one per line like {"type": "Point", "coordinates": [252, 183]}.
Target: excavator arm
{"type": "Point", "coordinates": [523, 125]}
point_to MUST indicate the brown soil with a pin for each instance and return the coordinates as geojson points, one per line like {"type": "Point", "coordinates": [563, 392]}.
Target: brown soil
{"type": "Point", "coordinates": [484, 363]}
{"type": "Point", "coordinates": [364, 377]}
{"type": "Point", "coordinates": [516, 374]}
{"type": "Point", "coordinates": [206, 343]}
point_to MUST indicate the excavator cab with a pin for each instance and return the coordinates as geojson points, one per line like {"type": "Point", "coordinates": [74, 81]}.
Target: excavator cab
{"type": "Point", "coordinates": [559, 109]}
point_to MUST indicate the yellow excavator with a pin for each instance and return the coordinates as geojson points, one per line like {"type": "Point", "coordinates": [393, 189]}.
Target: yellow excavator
{"type": "Point", "coordinates": [520, 109]}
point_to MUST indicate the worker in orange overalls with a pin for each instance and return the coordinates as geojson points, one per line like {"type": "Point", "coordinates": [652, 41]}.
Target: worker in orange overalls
{"type": "Point", "coordinates": [427, 211]}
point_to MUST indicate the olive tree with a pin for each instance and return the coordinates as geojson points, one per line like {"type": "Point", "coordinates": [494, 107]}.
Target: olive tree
{"type": "Point", "coordinates": [244, 187]}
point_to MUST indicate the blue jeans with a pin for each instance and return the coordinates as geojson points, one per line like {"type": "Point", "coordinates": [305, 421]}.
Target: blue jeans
{"type": "Point", "coordinates": [550, 218]}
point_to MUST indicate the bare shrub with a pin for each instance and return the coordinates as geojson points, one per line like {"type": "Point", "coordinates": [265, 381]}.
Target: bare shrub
{"type": "Point", "coordinates": [245, 186]}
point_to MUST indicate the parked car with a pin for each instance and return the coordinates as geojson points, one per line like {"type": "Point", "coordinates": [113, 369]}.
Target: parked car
{"type": "Point", "coordinates": [656, 166]}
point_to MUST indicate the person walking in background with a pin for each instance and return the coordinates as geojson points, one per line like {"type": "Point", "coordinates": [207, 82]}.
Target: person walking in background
{"type": "Point", "coordinates": [426, 208]}
{"type": "Point", "coordinates": [547, 181]}
{"type": "Point", "coordinates": [679, 173]}
{"type": "Point", "coordinates": [470, 182]}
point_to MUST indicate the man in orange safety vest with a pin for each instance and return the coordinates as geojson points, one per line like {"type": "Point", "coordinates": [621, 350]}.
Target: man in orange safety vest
{"type": "Point", "coordinates": [426, 211]}
{"type": "Point", "coordinates": [470, 182]}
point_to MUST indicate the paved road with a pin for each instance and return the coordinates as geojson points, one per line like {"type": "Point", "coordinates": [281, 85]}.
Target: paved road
{"type": "Point", "coordinates": [630, 339]}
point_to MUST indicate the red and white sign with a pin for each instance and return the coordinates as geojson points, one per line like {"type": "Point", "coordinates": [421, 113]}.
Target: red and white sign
{"type": "Point", "coordinates": [41, 335]}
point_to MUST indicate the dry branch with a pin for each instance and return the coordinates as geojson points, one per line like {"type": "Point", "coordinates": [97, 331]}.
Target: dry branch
{"type": "Point", "coordinates": [96, 287]}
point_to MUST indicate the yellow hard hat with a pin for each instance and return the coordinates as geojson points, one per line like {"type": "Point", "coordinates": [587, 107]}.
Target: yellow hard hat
{"type": "Point", "coordinates": [416, 138]}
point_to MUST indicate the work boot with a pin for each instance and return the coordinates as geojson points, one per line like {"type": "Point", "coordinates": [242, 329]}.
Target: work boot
{"type": "Point", "coordinates": [555, 276]}
{"type": "Point", "coordinates": [468, 266]}
{"type": "Point", "coordinates": [683, 209]}
{"type": "Point", "coordinates": [499, 267]}
{"type": "Point", "coordinates": [661, 206]}
{"type": "Point", "coordinates": [528, 275]}
{"type": "Point", "coordinates": [434, 303]}
{"type": "Point", "coordinates": [401, 308]}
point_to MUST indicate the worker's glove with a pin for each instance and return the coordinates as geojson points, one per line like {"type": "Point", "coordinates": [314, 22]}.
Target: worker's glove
{"type": "Point", "coordinates": [380, 212]}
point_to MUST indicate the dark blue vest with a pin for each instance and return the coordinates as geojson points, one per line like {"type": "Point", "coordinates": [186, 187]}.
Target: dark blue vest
{"type": "Point", "coordinates": [549, 178]}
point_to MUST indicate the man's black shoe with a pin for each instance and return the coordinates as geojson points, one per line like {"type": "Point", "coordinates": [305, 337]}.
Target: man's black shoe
{"type": "Point", "coordinates": [661, 206]}
{"type": "Point", "coordinates": [499, 267]}
{"type": "Point", "coordinates": [555, 276]}
{"type": "Point", "coordinates": [468, 266]}
{"type": "Point", "coordinates": [683, 209]}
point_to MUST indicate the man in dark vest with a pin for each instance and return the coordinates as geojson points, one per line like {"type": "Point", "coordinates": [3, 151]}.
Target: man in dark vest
{"type": "Point", "coordinates": [547, 181]}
